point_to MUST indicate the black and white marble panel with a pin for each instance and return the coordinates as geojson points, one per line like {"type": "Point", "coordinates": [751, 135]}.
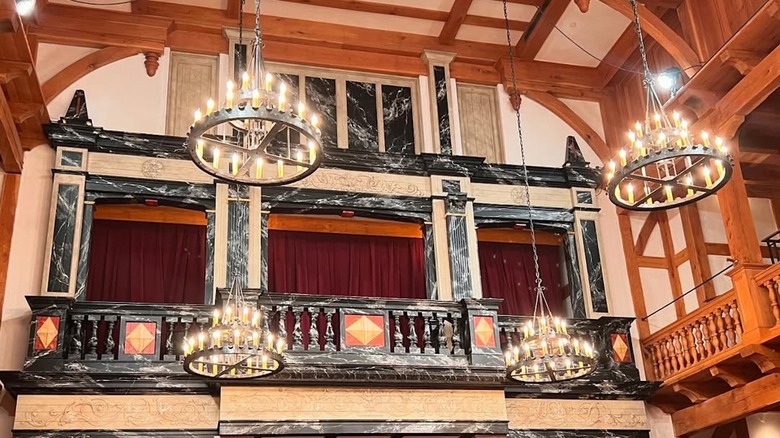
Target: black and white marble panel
{"type": "Point", "coordinates": [519, 433]}
{"type": "Point", "coordinates": [264, 252]}
{"type": "Point", "coordinates": [598, 293]}
{"type": "Point", "coordinates": [86, 239]}
{"type": "Point", "coordinates": [457, 240]}
{"type": "Point", "coordinates": [431, 283]}
{"type": "Point", "coordinates": [398, 118]}
{"type": "Point", "coordinates": [71, 158]}
{"type": "Point", "coordinates": [302, 200]}
{"type": "Point", "coordinates": [63, 238]}
{"type": "Point", "coordinates": [573, 274]}
{"type": "Point", "coordinates": [210, 240]}
{"type": "Point", "coordinates": [362, 119]}
{"type": "Point", "coordinates": [347, 427]}
{"type": "Point", "coordinates": [110, 187]}
{"type": "Point", "coordinates": [555, 217]}
{"type": "Point", "coordinates": [321, 97]}
{"type": "Point", "coordinates": [238, 234]}
{"type": "Point", "coordinates": [584, 197]}
{"type": "Point", "coordinates": [442, 109]}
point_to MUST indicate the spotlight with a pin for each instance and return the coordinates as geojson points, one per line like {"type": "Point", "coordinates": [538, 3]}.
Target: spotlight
{"type": "Point", "coordinates": [666, 81]}
{"type": "Point", "coordinates": [670, 79]}
{"type": "Point", "coordinates": [25, 7]}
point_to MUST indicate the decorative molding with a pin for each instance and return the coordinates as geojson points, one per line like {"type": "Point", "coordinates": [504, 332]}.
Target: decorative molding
{"type": "Point", "coordinates": [359, 404]}
{"type": "Point", "coordinates": [515, 195]}
{"type": "Point", "coordinates": [365, 182]}
{"type": "Point", "coordinates": [133, 166]}
{"type": "Point", "coordinates": [116, 412]}
{"type": "Point", "coordinates": [576, 414]}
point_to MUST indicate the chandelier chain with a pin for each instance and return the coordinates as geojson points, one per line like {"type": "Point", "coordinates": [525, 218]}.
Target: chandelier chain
{"type": "Point", "coordinates": [642, 50]}
{"type": "Point", "coordinates": [541, 300]}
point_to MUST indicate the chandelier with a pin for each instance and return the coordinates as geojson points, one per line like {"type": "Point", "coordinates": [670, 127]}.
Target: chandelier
{"type": "Point", "coordinates": [238, 345]}
{"type": "Point", "coordinates": [547, 351]}
{"type": "Point", "coordinates": [665, 165]}
{"type": "Point", "coordinates": [257, 137]}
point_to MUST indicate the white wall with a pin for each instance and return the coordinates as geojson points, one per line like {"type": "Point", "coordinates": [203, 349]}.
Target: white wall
{"type": "Point", "coordinates": [120, 96]}
{"type": "Point", "coordinates": [765, 425]}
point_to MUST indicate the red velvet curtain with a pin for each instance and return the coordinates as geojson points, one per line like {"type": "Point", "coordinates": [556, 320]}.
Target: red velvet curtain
{"type": "Point", "coordinates": [147, 262]}
{"type": "Point", "coordinates": [340, 264]}
{"type": "Point", "coordinates": [507, 271]}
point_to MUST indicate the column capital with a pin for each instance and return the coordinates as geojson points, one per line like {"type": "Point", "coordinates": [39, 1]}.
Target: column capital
{"type": "Point", "coordinates": [437, 58]}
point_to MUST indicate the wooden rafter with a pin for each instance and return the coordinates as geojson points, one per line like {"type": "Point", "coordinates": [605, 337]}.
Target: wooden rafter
{"type": "Point", "coordinates": [455, 19]}
{"type": "Point", "coordinates": [580, 126]}
{"type": "Point", "coordinates": [697, 252]}
{"type": "Point", "coordinates": [78, 69]}
{"type": "Point", "coordinates": [634, 279]}
{"type": "Point", "coordinates": [139, 6]}
{"type": "Point", "coordinates": [645, 232]}
{"type": "Point", "coordinates": [9, 193]}
{"type": "Point", "coordinates": [662, 33]}
{"type": "Point", "coordinates": [674, 274]}
{"type": "Point", "coordinates": [569, 81]}
{"type": "Point", "coordinates": [547, 18]}
{"type": "Point", "coordinates": [232, 8]}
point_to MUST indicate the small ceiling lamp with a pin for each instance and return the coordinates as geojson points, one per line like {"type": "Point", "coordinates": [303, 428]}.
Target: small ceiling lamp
{"type": "Point", "coordinates": [238, 345]}
{"type": "Point", "coordinates": [25, 7]}
{"type": "Point", "coordinates": [547, 352]}
{"type": "Point", "coordinates": [665, 165]}
{"type": "Point", "coordinates": [258, 137]}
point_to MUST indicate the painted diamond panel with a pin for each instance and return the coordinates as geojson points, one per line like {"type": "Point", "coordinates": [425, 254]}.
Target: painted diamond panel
{"type": "Point", "coordinates": [620, 350]}
{"type": "Point", "coordinates": [484, 331]}
{"type": "Point", "coordinates": [47, 329]}
{"type": "Point", "coordinates": [364, 330]}
{"type": "Point", "coordinates": [140, 337]}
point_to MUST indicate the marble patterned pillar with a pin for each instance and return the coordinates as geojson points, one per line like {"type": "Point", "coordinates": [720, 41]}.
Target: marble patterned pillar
{"type": "Point", "coordinates": [211, 228]}
{"type": "Point", "coordinates": [431, 288]}
{"type": "Point", "coordinates": [64, 235]}
{"type": "Point", "coordinates": [589, 250]}
{"type": "Point", "coordinates": [264, 250]}
{"type": "Point", "coordinates": [86, 238]}
{"type": "Point", "coordinates": [238, 234]}
{"type": "Point", "coordinates": [442, 100]}
{"type": "Point", "coordinates": [221, 236]}
{"type": "Point", "coordinates": [573, 271]}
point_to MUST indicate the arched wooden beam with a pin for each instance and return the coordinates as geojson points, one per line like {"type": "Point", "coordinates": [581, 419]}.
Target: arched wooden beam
{"type": "Point", "coordinates": [70, 74]}
{"type": "Point", "coordinates": [557, 107]}
{"type": "Point", "coordinates": [682, 53]}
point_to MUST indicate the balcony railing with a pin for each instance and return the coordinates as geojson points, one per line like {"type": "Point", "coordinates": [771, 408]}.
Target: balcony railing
{"type": "Point", "coordinates": [769, 279]}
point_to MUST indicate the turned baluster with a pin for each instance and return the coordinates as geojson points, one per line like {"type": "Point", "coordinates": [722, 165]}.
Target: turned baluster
{"type": "Point", "coordinates": [398, 336]}
{"type": "Point", "coordinates": [91, 347]}
{"type": "Point", "coordinates": [772, 288]}
{"type": "Point", "coordinates": [169, 349]}
{"type": "Point", "coordinates": [283, 325]}
{"type": "Point", "coordinates": [705, 337]}
{"type": "Point", "coordinates": [77, 339]}
{"type": "Point", "coordinates": [654, 357]}
{"type": "Point", "coordinates": [455, 321]}
{"type": "Point", "coordinates": [686, 353]}
{"type": "Point", "coordinates": [730, 333]}
{"type": "Point", "coordinates": [673, 352]}
{"type": "Point", "coordinates": [413, 347]}
{"type": "Point", "coordinates": [108, 348]}
{"type": "Point", "coordinates": [441, 334]}
{"type": "Point", "coordinates": [737, 319]}
{"type": "Point", "coordinates": [720, 323]}
{"type": "Point", "coordinates": [691, 342]}
{"type": "Point", "coordinates": [427, 322]}
{"type": "Point", "coordinates": [314, 333]}
{"type": "Point", "coordinates": [713, 333]}
{"type": "Point", "coordinates": [667, 358]}
{"type": "Point", "coordinates": [659, 359]}
{"type": "Point", "coordinates": [330, 345]}
{"type": "Point", "coordinates": [297, 332]}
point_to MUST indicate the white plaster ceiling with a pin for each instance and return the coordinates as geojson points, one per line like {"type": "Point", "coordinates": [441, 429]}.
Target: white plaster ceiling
{"type": "Point", "coordinates": [596, 31]}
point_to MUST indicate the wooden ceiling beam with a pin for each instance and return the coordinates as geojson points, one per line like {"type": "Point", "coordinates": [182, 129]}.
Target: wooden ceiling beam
{"type": "Point", "coordinates": [560, 80]}
{"type": "Point", "coordinates": [11, 151]}
{"type": "Point", "coordinates": [498, 23]}
{"type": "Point", "coordinates": [682, 53]}
{"type": "Point", "coordinates": [232, 9]}
{"type": "Point", "coordinates": [543, 25]}
{"type": "Point", "coordinates": [537, 3]}
{"type": "Point", "coordinates": [456, 17]}
{"type": "Point", "coordinates": [377, 8]}
{"type": "Point", "coordinates": [139, 6]}
{"type": "Point", "coordinates": [10, 70]}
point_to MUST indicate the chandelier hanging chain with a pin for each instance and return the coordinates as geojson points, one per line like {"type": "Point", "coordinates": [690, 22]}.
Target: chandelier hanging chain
{"type": "Point", "coordinates": [541, 300]}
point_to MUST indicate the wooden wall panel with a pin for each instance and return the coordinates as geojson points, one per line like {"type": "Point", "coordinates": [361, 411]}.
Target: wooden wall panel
{"type": "Point", "coordinates": [479, 129]}
{"type": "Point", "coordinates": [707, 24]}
{"type": "Point", "coordinates": [193, 80]}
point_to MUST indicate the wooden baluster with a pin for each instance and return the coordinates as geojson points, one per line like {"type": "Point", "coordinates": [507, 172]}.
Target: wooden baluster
{"type": "Point", "coordinates": [398, 336]}
{"type": "Point", "coordinates": [441, 334]}
{"type": "Point", "coordinates": [413, 347]}
{"type": "Point", "coordinates": [673, 352]}
{"type": "Point", "coordinates": [427, 322]}
{"type": "Point", "coordinates": [654, 357]}
{"type": "Point", "coordinates": [713, 333]}
{"type": "Point", "coordinates": [692, 353]}
{"type": "Point", "coordinates": [730, 333]}
{"type": "Point", "coordinates": [686, 353]}
{"type": "Point", "coordinates": [721, 324]}
{"type": "Point", "coordinates": [705, 337]}
{"type": "Point", "coordinates": [658, 349]}
{"type": "Point", "coordinates": [283, 326]}
{"type": "Point", "coordinates": [667, 358]}
{"type": "Point", "coordinates": [737, 319]}
{"type": "Point", "coordinates": [455, 321]}
{"type": "Point", "coordinates": [330, 345]}
{"type": "Point", "coordinates": [77, 338]}
{"type": "Point", "coordinates": [314, 332]}
{"type": "Point", "coordinates": [772, 288]}
{"type": "Point", "coordinates": [297, 332]}
{"type": "Point", "coordinates": [108, 347]}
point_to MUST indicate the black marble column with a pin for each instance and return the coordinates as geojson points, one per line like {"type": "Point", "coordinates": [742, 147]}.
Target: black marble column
{"type": "Point", "coordinates": [431, 284]}
{"type": "Point", "coordinates": [442, 109]}
{"type": "Point", "coordinates": [238, 234]}
{"type": "Point", "coordinates": [264, 252]}
{"type": "Point", "coordinates": [86, 238]}
{"type": "Point", "coordinates": [573, 273]}
{"type": "Point", "coordinates": [210, 238]}
{"type": "Point", "coordinates": [63, 238]}
{"type": "Point", "coordinates": [590, 242]}
{"type": "Point", "coordinates": [457, 240]}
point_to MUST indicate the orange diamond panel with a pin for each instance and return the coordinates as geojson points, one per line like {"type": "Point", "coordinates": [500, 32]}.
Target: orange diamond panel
{"type": "Point", "coordinates": [484, 331]}
{"type": "Point", "coordinates": [620, 351]}
{"type": "Point", "coordinates": [364, 330]}
{"type": "Point", "coordinates": [47, 328]}
{"type": "Point", "coordinates": [140, 337]}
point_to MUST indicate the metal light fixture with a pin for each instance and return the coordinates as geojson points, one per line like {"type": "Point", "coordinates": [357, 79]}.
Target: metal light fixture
{"type": "Point", "coordinates": [25, 7]}
{"type": "Point", "coordinates": [547, 352]}
{"type": "Point", "coordinates": [665, 165]}
{"type": "Point", "coordinates": [258, 137]}
{"type": "Point", "coordinates": [238, 345]}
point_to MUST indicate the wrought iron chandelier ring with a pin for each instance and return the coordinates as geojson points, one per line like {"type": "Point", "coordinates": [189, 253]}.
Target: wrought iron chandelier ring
{"type": "Point", "coordinates": [679, 188]}
{"type": "Point", "coordinates": [203, 146]}
{"type": "Point", "coordinates": [228, 363]}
